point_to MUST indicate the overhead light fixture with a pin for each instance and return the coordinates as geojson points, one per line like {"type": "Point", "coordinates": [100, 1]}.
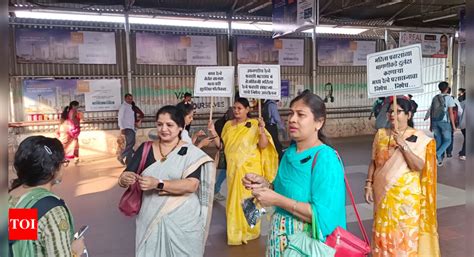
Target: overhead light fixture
{"type": "Point", "coordinates": [140, 19]}
{"type": "Point", "coordinates": [441, 17]}
{"type": "Point", "coordinates": [70, 16]}
{"type": "Point", "coordinates": [389, 3]}
{"type": "Point", "coordinates": [337, 30]}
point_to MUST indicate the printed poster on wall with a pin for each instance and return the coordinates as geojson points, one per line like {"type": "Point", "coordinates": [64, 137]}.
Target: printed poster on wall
{"type": "Point", "coordinates": [285, 52]}
{"type": "Point", "coordinates": [65, 46]}
{"type": "Point", "coordinates": [159, 49]}
{"type": "Point", "coordinates": [290, 15]}
{"type": "Point", "coordinates": [432, 45]}
{"type": "Point", "coordinates": [344, 52]}
{"type": "Point", "coordinates": [50, 96]}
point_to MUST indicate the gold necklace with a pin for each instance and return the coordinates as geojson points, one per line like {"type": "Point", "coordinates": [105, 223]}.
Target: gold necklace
{"type": "Point", "coordinates": [165, 156]}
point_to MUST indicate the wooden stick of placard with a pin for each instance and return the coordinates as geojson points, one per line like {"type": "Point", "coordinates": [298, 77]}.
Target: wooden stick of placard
{"type": "Point", "coordinates": [395, 111]}
{"type": "Point", "coordinates": [212, 108]}
{"type": "Point", "coordinates": [259, 108]}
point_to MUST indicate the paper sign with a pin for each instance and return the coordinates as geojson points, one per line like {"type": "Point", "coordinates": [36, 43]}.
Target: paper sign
{"type": "Point", "coordinates": [395, 72]}
{"type": "Point", "coordinates": [259, 81]}
{"type": "Point", "coordinates": [214, 81]}
{"type": "Point", "coordinates": [83, 86]}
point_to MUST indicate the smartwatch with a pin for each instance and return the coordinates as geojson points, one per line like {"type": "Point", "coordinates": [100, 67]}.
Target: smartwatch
{"type": "Point", "coordinates": [160, 185]}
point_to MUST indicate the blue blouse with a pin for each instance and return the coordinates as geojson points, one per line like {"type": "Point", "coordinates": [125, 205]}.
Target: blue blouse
{"type": "Point", "coordinates": [323, 188]}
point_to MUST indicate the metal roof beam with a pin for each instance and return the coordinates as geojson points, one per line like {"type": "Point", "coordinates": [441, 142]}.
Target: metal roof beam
{"type": "Point", "coordinates": [345, 8]}
{"type": "Point", "coordinates": [430, 13]}
{"type": "Point", "coordinates": [392, 19]}
{"type": "Point", "coordinates": [328, 3]}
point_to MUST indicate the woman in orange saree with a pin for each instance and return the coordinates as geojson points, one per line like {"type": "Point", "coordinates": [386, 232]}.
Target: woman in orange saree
{"type": "Point", "coordinates": [402, 184]}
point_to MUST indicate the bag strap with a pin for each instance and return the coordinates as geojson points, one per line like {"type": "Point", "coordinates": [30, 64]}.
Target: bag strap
{"type": "Point", "coordinates": [314, 225]}
{"type": "Point", "coordinates": [146, 150]}
{"type": "Point", "coordinates": [348, 188]}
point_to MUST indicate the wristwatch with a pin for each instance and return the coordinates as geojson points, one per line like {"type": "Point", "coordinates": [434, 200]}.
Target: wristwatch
{"type": "Point", "coordinates": [160, 185]}
{"type": "Point", "coordinates": [405, 148]}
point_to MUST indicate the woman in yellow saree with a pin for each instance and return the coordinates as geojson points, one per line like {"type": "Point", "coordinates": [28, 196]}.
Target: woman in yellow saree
{"type": "Point", "coordinates": [248, 147]}
{"type": "Point", "coordinates": [402, 184]}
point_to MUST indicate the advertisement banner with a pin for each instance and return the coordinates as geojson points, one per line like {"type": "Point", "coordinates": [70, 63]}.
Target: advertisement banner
{"type": "Point", "coordinates": [65, 46]}
{"type": "Point", "coordinates": [259, 81]}
{"type": "Point", "coordinates": [103, 94]}
{"type": "Point", "coordinates": [290, 15]}
{"type": "Point", "coordinates": [344, 52]}
{"type": "Point", "coordinates": [214, 81]}
{"type": "Point", "coordinates": [432, 45]}
{"type": "Point", "coordinates": [395, 72]}
{"type": "Point", "coordinates": [50, 96]}
{"type": "Point", "coordinates": [159, 49]}
{"type": "Point", "coordinates": [255, 50]}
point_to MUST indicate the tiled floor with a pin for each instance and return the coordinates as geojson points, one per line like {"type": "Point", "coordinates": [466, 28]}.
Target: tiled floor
{"type": "Point", "coordinates": [91, 192]}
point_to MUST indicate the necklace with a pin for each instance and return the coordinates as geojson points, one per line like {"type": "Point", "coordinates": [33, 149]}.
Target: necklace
{"type": "Point", "coordinates": [165, 156]}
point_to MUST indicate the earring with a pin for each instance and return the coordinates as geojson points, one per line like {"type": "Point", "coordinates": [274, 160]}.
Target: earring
{"type": "Point", "coordinates": [56, 181]}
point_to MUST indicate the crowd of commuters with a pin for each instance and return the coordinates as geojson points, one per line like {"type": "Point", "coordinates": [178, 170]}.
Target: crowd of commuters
{"type": "Point", "coordinates": [304, 182]}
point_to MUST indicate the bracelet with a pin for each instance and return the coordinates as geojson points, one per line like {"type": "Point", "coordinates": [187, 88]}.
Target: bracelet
{"type": "Point", "coordinates": [369, 181]}
{"type": "Point", "coordinates": [294, 208]}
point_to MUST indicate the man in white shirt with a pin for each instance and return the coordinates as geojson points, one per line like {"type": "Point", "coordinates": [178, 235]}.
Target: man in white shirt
{"type": "Point", "coordinates": [126, 122]}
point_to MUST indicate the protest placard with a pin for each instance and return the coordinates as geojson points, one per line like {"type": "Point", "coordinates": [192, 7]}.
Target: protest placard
{"type": "Point", "coordinates": [214, 81]}
{"type": "Point", "coordinates": [395, 72]}
{"type": "Point", "coordinates": [259, 81]}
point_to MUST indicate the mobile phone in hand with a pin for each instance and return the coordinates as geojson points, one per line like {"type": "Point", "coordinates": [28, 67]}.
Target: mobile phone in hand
{"type": "Point", "coordinates": [81, 232]}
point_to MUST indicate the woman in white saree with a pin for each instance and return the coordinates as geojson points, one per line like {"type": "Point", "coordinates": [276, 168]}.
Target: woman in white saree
{"type": "Point", "coordinates": [177, 186]}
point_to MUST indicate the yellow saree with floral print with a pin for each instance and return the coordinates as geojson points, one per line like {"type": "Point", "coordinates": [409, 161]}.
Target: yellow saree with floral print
{"type": "Point", "coordinates": [405, 200]}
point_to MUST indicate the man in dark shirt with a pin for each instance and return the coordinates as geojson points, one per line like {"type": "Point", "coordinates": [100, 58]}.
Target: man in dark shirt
{"type": "Point", "coordinates": [273, 123]}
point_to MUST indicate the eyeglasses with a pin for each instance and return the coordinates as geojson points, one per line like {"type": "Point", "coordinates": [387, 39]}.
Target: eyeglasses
{"type": "Point", "coordinates": [390, 111]}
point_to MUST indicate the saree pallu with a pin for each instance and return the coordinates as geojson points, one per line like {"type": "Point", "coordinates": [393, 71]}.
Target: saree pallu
{"type": "Point", "coordinates": [405, 201]}
{"type": "Point", "coordinates": [176, 225]}
{"type": "Point", "coordinates": [243, 156]}
{"type": "Point", "coordinates": [281, 226]}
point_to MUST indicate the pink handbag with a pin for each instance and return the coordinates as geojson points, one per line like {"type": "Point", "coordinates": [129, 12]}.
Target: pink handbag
{"type": "Point", "coordinates": [345, 243]}
{"type": "Point", "coordinates": [131, 200]}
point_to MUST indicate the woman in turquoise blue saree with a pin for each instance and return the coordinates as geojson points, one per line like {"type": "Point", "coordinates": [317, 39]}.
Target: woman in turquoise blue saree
{"type": "Point", "coordinates": [298, 191]}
